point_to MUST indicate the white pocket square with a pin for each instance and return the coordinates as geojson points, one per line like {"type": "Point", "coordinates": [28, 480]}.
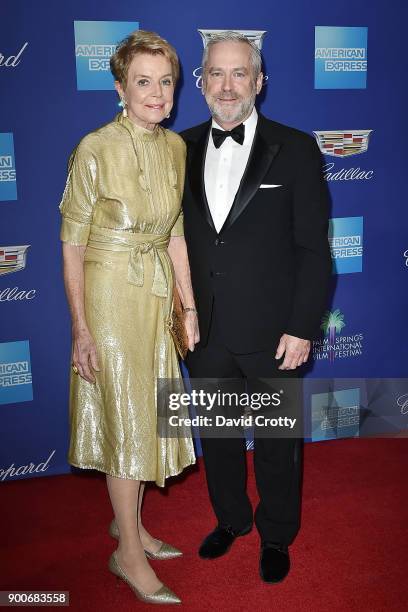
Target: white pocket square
{"type": "Point", "coordinates": [268, 186]}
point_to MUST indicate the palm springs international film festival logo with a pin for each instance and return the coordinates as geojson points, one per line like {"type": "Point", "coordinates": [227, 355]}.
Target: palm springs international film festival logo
{"type": "Point", "coordinates": [255, 36]}
{"type": "Point", "coordinates": [8, 185]}
{"type": "Point", "coordinates": [340, 57]}
{"type": "Point", "coordinates": [335, 414]}
{"type": "Point", "coordinates": [15, 372]}
{"type": "Point", "coordinates": [95, 43]}
{"type": "Point", "coordinates": [346, 244]}
{"type": "Point", "coordinates": [335, 344]}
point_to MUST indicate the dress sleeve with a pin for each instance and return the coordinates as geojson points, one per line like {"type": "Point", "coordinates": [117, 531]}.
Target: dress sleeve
{"type": "Point", "coordinates": [179, 160]}
{"type": "Point", "coordinates": [178, 227]}
{"type": "Point", "coordinates": [79, 197]}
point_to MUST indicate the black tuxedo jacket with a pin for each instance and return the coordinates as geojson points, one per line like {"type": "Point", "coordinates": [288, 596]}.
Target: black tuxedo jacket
{"type": "Point", "coordinates": [268, 268]}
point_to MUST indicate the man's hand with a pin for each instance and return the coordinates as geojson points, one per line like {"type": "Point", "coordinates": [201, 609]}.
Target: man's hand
{"type": "Point", "coordinates": [296, 352]}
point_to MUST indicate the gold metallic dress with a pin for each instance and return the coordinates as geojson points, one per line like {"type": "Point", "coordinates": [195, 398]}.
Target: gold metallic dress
{"type": "Point", "coordinates": [122, 201]}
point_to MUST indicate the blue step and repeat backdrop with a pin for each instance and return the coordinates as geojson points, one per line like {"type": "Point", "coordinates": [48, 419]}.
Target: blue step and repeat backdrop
{"type": "Point", "coordinates": [334, 70]}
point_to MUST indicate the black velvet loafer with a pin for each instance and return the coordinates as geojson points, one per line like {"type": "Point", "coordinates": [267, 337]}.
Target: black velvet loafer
{"type": "Point", "coordinates": [219, 541]}
{"type": "Point", "coordinates": [274, 562]}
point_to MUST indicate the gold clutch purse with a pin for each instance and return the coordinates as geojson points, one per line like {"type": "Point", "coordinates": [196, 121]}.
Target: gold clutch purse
{"type": "Point", "coordinates": [177, 327]}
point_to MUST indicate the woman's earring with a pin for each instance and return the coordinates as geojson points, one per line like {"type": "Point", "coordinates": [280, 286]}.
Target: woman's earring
{"type": "Point", "coordinates": [124, 105]}
{"type": "Point", "coordinates": [168, 116]}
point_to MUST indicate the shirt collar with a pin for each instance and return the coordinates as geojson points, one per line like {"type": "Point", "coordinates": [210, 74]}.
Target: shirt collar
{"type": "Point", "coordinates": [250, 126]}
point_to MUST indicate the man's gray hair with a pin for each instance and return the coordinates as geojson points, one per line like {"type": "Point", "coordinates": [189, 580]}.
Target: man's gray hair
{"type": "Point", "coordinates": [228, 36]}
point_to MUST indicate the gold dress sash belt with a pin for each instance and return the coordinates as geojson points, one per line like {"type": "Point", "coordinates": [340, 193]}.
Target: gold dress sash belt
{"type": "Point", "coordinates": [137, 244]}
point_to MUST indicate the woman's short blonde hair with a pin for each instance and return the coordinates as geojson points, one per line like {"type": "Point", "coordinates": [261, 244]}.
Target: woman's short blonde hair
{"type": "Point", "coordinates": [138, 42]}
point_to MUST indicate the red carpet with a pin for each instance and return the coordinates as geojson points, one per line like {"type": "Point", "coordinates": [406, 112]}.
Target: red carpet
{"type": "Point", "coordinates": [351, 553]}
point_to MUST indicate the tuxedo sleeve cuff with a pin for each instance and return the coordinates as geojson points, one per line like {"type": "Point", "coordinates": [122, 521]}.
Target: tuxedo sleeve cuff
{"type": "Point", "coordinates": [303, 334]}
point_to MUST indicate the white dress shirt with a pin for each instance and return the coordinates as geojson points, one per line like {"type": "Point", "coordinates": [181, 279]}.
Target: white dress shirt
{"type": "Point", "coordinates": [224, 168]}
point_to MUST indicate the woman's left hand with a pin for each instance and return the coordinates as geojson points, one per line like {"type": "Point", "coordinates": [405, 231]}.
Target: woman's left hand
{"type": "Point", "coordinates": [193, 333]}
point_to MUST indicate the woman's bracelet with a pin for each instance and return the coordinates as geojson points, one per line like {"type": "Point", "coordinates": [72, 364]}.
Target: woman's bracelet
{"type": "Point", "coordinates": [189, 310]}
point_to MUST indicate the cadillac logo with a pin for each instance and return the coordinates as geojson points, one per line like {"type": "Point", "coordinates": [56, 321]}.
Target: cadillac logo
{"type": "Point", "coordinates": [343, 143]}
{"type": "Point", "coordinates": [255, 36]}
{"type": "Point", "coordinates": [12, 258]}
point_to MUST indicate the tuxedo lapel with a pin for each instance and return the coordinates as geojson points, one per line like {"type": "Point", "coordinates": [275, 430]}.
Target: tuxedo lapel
{"type": "Point", "coordinates": [260, 159]}
{"type": "Point", "coordinates": [196, 174]}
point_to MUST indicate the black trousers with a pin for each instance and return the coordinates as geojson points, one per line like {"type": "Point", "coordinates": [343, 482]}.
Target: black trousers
{"type": "Point", "coordinates": [277, 461]}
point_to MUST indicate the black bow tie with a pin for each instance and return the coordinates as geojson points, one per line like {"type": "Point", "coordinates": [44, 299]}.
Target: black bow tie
{"type": "Point", "coordinates": [237, 134]}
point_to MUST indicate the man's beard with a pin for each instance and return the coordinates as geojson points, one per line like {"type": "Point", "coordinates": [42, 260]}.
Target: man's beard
{"type": "Point", "coordinates": [236, 114]}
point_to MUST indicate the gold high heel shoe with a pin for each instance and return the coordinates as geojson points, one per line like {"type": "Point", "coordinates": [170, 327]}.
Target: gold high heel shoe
{"type": "Point", "coordinates": [163, 596]}
{"type": "Point", "coordinates": [166, 551]}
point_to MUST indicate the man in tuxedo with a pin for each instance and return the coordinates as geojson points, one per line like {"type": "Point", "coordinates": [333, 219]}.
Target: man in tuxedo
{"type": "Point", "coordinates": [256, 220]}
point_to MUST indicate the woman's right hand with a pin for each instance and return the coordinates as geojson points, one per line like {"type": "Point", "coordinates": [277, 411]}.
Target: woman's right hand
{"type": "Point", "coordinates": [84, 355]}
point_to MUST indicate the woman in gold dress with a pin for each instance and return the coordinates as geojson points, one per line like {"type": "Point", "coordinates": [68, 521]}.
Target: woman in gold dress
{"type": "Point", "coordinates": [123, 250]}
